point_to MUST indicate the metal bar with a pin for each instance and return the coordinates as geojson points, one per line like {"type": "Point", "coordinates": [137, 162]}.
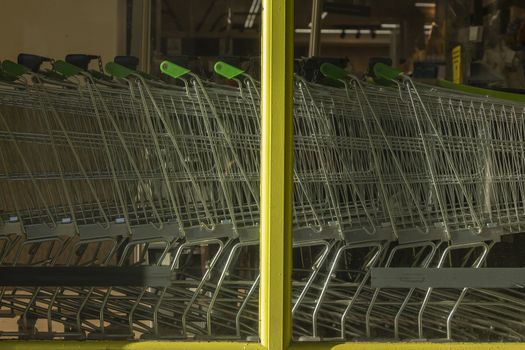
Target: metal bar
{"type": "Point", "coordinates": [167, 345]}
{"type": "Point", "coordinates": [406, 346]}
{"type": "Point", "coordinates": [315, 33]}
{"type": "Point", "coordinates": [140, 35]}
{"type": "Point", "coordinates": [126, 345]}
{"type": "Point", "coordinates": [276, 174]}
{"type": "Point", "coordinates": [80, 276]}
{"type": "Point", "coordinates": [410, 277]}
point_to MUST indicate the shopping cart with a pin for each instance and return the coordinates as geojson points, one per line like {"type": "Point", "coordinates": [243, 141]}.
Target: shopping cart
{"type": "Point", "coordinates": [129, 170]}
{"type": "Point", "coordinates": [447, 196]}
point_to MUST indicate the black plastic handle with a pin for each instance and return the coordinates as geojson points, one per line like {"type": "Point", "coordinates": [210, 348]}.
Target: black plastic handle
{"type": "Point", "coordinates": [130, 62]}
{"type": "Point", "coordinates": [32, 62]}
{"type": "Point", "coordinates": [80, 60]}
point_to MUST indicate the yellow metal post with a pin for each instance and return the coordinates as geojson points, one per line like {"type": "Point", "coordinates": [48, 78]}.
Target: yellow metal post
{"type": "Point", "coordinates": [276, 173]}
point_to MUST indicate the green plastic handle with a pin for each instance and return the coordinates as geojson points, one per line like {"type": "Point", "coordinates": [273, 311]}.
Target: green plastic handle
{"type": "Point", "coordinates": [333, 72]}
{"type": "Point", "coordinates": [66, 69]}
{"type": "Point", "coordinates": [226, 70]}
{"type": "Point", "coordinates": [118, 71]}
{"type": "Point", "coordinates": [173, 70]}
{"type": "Point", "coordinates": [509, 96]}
{"type": "Point", "coordinates": [14, 69]}
{"type": "Point", "coordinates": [383, 71]}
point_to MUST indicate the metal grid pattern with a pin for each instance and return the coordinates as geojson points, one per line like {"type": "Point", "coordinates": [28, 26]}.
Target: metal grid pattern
{"type": "Point", "coordinates": [136, 171]}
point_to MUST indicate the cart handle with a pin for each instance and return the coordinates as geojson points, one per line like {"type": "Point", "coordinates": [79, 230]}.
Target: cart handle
{"type": "Point", "coordinates": [226, 70]}
{"type": "Point", "coordinates": [173, 70]}
{"type": "Point", "coordinates": [14, 69]}
{"type": "Point", "coordinates": [118, 71]}
{"type": "Point", "coordinates": [334, 72]}
{"type": "Point", "coordinates": [66, 69]}
{"type": "Point", "coordinates": [388, 73]}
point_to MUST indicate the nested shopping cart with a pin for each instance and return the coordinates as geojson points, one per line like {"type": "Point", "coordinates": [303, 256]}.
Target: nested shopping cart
{"type": "Point", "coordinates": [127, 170]}
{"type": "Point", "coordinates": [443, 198]}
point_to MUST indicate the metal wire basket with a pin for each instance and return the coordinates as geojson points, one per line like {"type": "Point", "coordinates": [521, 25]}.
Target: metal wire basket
{"type": "Point", "coordinates": [130, 170]}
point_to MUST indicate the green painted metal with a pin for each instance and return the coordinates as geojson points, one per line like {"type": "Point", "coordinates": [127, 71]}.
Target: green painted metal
{"type": "Point", "coordinates": [333, 72]}
{"type": "Point", "coordinates": [66, 69]}
{"type": "Point", "coordinates": [227, 70]}
{"type": "Point", "coordinates": [118, 71]}
{"type": "Point", "coordinates": [482, 92]}
{"type": "Point", "coordinates": [173, 70]}
{"type": "Point", "coordinates": [14, 69]}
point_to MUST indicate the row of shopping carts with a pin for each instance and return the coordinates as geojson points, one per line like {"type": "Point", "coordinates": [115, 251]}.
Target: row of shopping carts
{"type": "Point", "coordinates": [120, 169]}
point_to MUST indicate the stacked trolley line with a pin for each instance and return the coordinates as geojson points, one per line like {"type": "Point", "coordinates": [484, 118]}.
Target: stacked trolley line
{"type": "Point", "coordinates": [128, 170]}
